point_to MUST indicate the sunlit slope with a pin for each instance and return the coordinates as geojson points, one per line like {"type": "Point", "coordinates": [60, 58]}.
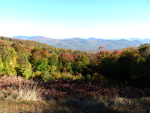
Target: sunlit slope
{"type": "Point", "coordinates": [90, 44]}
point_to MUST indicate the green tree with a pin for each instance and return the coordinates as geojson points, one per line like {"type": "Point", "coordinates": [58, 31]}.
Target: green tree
{"type": "Point", "coordinates": [107, 64]}
{"type": "Point", "coordinates": [144, 49]}
{"type": "Point", "coordinates": [126, 63]}
{"type": "Point", "coordinates": [53, 62]}
{"type": "Point", "coordinates": [80, 63]}
{"type": "Point", "coordinates": [1, 67]}
{"type": "Point", "coordinates": [9, 58]}
{"type": "Point", "coordinates": [24, 67]}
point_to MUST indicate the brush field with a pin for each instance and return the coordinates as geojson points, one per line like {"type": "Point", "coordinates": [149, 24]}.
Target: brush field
{"type": "Point", "coordinates": [18, 95]}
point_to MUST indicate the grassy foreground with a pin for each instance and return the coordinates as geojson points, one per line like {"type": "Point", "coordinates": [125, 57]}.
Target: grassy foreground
{"type": "Point", "coordinates": [69, 96]}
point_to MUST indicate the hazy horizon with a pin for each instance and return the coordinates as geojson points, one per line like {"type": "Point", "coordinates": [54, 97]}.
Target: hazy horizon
{"type": "Point", "coordinates": [29, 36]}
{"type": "Point", "coordinates": [111, 19]}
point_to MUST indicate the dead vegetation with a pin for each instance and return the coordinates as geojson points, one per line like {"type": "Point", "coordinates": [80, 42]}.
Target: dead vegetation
{"type": "Point", "coordinates": [70, 96]}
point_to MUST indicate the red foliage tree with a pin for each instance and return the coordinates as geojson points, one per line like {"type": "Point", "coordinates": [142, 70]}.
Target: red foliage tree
{"type": "Point", "coordinates": [66, 57]}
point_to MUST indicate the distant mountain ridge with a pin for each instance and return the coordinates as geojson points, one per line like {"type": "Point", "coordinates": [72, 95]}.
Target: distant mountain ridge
{"type": "Point", "coordinates": [90, 44]}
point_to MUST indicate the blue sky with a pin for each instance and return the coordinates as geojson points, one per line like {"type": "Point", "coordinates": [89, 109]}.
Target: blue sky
{"type": "Point", "coordinates": [76, 18]}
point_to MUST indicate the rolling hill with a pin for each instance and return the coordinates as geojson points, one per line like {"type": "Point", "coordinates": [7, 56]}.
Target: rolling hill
{"type": "Point", "coordinates": [90, 44]}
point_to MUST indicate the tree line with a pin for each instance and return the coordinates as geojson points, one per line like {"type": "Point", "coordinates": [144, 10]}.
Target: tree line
{"type": "Point", "coordinates": [32, 59]}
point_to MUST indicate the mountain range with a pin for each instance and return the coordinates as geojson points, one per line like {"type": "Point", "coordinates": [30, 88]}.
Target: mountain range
{"type": "Point", "coordinates": [90, 44]}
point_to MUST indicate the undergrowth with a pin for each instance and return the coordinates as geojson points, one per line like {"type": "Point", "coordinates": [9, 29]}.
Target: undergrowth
{"type": "Point", "coordinates": [28, 99]}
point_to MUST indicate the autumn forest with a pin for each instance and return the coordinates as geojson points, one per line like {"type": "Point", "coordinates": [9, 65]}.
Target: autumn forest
{"type": "Point", "coordinates": [36, 77]}
{"type": "Point", "coordinates": [34, 60]}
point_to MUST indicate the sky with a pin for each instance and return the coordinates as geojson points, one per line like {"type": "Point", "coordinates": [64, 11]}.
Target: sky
{"type": "Point", "coordinates": [108, 19]}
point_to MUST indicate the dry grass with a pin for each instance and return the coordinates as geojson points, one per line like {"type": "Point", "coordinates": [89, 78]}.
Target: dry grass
{"type": "Point", "coordinates": [25, 99]}
{"type": "Point", "coordinates": [15, 102]}
{"type": "Point", "coordinates": [28, 94]}
{"type": "Point", "coordinates": [28, 99]}
{"type": "Point", "coordinates": [23, 93]}
{"type": "Point", "coordinates": [136, 105]}
{"type": "Point", "coordinates": [12, 101]}
{"type": "Point", "coordinates": [21, 106]}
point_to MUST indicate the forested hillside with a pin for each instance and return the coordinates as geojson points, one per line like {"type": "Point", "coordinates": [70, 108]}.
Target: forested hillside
{"type": "Point", "coordinates": [89, 44]}
{"type": "Point", "coordinates": [32, 59]}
